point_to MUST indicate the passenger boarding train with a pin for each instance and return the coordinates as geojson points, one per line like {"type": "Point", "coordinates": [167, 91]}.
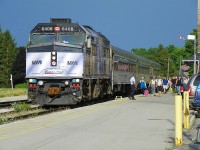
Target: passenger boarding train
{"type": "Point", "coordinates": [68, 63]}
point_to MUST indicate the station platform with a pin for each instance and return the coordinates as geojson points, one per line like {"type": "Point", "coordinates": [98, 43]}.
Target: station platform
{"type": "Point", "coordinates": [145, 123]}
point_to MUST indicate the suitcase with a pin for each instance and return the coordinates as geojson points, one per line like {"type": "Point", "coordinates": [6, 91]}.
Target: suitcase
{"type": "Point", "coordinates": [146, 92]}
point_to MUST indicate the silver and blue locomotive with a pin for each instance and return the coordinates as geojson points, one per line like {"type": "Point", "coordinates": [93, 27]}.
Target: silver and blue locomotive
{"type": "Point", "coordinates": [67, 63]}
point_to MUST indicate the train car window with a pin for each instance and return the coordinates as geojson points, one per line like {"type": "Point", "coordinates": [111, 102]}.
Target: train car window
{"type": "Point", "coordinates": [143, 70]}
{"type": "Point", "coordinates": [123, 67]}
{"type": "Point", "coordinates": [94, 50]}
{"type": "Point", "coordinates": [42, 38]}
{"type": "Point", "coordinates": [75, 39]}
{"type": "Point", "coordinates": [104, 53]}
{"type": "Point", "coordinates": [107, 52]}
{"type": "Point", "coordinates": [115, 66]}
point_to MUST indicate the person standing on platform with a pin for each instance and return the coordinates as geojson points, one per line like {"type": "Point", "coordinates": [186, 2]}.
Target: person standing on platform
{"type": "Point", "coordinates": [153, 86]}
{"type": "Point", "coordinates": [132, 90]}
{"type": "Point", "coordinates": [179, 83]}
{"type": "Point", "coordinates": [173, 84]}
{"type": "Point", "coordinates": [185, 81]}
{"type": "Point", "coordinates": [143, 85]}
{"type": "Point", "coordinates": [165, 85]}
{"type": "Point", "coordinates": [159, 85]}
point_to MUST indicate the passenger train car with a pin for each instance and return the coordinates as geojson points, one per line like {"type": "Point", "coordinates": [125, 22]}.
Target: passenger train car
{"type": "Point", "coordinates": [68, 63]}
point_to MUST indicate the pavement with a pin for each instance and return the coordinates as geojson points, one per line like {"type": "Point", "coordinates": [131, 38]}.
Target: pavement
{"type": "Point", "coordinates": [188, 135]}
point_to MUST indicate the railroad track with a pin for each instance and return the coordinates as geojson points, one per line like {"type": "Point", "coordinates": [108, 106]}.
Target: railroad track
{"type": "Point", "coordinates": [9, 103]}
{"type": "Point", "coordinates": [13, 115]}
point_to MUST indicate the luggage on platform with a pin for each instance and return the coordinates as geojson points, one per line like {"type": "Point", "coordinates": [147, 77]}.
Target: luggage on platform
{"type": "Point", "coordinates": [146, 92]}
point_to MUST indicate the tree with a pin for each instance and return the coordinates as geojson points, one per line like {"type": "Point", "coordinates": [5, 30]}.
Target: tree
{"type": "Point", "coordinates": [19, 66]}
{"type": "Point", "coordinates": [8, 54]}
{"type": "Point", "coordinates": [162, 54]}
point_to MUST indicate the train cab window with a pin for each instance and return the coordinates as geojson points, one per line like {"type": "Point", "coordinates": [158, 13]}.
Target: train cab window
{"type": "Point", "coordinates": [42, 38]}
{"type": "Point", "coordinates": [74, 39]}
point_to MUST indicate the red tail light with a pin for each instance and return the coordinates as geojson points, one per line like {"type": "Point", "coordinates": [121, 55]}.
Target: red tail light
{"type": "Point", "coordinates": [190, 90]}
{"type": "Point", "coordinates": [30, 85]}
{"type": "Point", "coordinates": [75, 85]}
{"type": "Point", "coordinates": [35, 86]}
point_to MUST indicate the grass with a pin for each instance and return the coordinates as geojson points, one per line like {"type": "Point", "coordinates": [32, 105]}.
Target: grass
{"type": "Point", "coordinates": [6, 92]}
{"type": "Point", "coordinates": [21, 106]}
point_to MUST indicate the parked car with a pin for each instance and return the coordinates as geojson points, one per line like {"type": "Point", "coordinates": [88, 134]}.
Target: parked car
{"type": "Point", "coordinates": [196, 103]}
{"type": "Point", "coordinates": [192, 84]}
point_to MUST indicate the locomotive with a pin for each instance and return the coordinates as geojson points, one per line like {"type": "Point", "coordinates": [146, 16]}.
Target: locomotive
{"type": "Point", "coordinates": [68, 63]}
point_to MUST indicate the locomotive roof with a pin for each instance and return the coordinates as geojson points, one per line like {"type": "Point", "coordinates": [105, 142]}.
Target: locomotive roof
{"type": "Point", "coordinates": [90, 31]}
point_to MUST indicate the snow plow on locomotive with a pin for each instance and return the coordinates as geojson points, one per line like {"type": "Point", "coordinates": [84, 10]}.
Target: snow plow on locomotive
{"type": "Point", "coordinates": [67, 63]}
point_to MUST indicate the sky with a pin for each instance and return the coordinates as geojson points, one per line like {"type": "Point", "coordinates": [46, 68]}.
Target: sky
{"type": "Point", "coordinates": [127, 24]}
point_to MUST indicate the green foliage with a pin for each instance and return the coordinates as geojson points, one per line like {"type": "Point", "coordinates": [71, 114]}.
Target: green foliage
{"type": "Point", "coordinates": [8, 55]}
{"type": "Point", "coordinates": [3, 119]}
{"type": "Point", "coordinates": [163, 54]}
{"type": "Point", "coordinates": [21, 107]}
{"type": "Point", "coordinates": [167, 148]}
{"type": "Point", "coordinates": [7, 92]}
{"type": "Point", "coordinates": [19, 66]}
{"type": "Point", "coordinates": [22, 85]}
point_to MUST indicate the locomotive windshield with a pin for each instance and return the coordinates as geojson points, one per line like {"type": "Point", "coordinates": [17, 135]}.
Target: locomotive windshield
{"type": "Point", "coordinates": [42, 38]}
{"type": "Point", "coordinates": [71, 39]}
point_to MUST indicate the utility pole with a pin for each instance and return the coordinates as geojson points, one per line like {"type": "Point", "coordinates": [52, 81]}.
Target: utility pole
{"type": "Point", "coordinates": [198, 29]}
{"type": "Point", "coordinates": [193, 37]}
{"type": "Point", "coordinates": [168, 68]}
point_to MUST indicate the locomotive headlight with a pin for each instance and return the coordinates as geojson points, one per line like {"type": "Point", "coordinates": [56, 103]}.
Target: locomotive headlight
{"type": "Point", "coordinates": [32, 80]}
{"type": "Point", "coordinates": [67, 82]}
{"type": "Point", "coordinates": [53, 53]}
{"type": "Point", "coordinates": [53, 57]}
{"type": "Point", "coordinates": [77, 80]}
{"type": "Point", "coordinates": [53, 63]}
{"type": "Point", "coordinates": [40, 83]}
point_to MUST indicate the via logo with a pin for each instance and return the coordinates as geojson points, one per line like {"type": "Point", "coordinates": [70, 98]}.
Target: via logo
{"type": "Point", "coordinates": [36, 62]}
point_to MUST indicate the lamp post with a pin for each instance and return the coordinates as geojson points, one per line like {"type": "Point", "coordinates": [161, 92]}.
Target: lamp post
{"type": "Point", "coordinates": [193, 37]}
{"type": "Point", "coordinates": [168, 68]}
{"type": "Point", "coordinates": [167, 74]}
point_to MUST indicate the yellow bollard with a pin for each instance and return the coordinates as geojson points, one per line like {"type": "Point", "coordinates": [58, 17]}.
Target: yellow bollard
{"type": "Point", "coordinates": [186, 110]}
{"type": "Point", "coordinates": [178, 120]}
